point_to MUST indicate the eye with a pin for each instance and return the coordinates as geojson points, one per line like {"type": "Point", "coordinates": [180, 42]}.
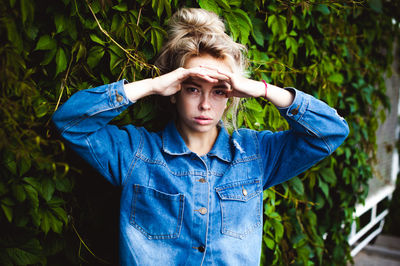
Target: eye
{"type": "Point", "coordinates": [191, 89]}
{"type": "Point", "coordinates": [220, 92]}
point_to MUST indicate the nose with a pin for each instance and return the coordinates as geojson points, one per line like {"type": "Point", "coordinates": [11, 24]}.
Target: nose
{"type": "Point", "coordinates": [204, 103]}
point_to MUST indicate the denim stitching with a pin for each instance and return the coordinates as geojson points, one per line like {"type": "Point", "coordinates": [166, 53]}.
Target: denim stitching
{"type": "Point", "coordinates": [97, 159]}
{"type": "Point", "coordinates": [133, 161]}
{"type": "Point", "coordinates": [258, 192]}
{"type": "Point", "coordinates": [179, 219]}
{"type": "Point", "coordinates": [318, 134]}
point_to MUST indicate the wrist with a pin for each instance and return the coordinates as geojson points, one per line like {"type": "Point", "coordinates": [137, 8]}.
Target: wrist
{"type": "Point", "coordinates": [154, 85]}
{"type": "Point", "coordinates": [265, 89]}
{"type": "Point", "coordinates": [138, 89]}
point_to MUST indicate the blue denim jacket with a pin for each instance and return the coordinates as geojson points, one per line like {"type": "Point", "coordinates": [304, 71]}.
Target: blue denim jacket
{"type": "Point", "coordinates": [178, 208]}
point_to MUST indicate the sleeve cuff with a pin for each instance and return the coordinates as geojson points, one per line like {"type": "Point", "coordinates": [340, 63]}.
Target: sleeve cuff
{"type": "Point", "coordinates": [117, 94]}
{"type": "Point", "coordinates": [298, 107]}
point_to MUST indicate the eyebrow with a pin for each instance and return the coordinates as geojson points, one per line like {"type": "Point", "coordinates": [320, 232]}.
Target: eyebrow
{"type": "Point", "coordinates": [190, 81]}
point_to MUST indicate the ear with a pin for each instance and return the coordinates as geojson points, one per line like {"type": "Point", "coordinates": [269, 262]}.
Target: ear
{"type": "Point", "coordinates": [172, 98]}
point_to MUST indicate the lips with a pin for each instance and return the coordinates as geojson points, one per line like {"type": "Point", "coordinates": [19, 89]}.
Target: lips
{"type": "Point", "coordinates": [203, 120]}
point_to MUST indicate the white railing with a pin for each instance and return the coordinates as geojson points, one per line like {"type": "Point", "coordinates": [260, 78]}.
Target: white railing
{"type": "Point", "coordinates": [358, 239]}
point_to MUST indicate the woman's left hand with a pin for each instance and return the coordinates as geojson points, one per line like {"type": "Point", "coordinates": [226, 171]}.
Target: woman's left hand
{"type": "Point", "coordinates": [240, 86]}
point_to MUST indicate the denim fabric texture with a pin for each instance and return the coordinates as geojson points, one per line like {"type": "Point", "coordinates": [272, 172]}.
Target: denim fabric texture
{"type": "Point", "coordinates": [178, 208]}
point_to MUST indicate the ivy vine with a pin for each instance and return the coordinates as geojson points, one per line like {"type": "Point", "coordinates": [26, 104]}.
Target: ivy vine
{"type": "Point", "coordinates": [338, 51]}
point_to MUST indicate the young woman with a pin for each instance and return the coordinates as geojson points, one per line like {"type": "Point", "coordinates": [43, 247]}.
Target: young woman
{"type": "Point", "coordinates": [192, 193]}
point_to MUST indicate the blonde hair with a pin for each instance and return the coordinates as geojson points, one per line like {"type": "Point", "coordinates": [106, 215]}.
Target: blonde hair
{"type": "Point", "coordinates": [193, 32]}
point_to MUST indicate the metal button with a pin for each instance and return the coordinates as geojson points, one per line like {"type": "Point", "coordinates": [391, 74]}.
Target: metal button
{"type": "Point", "coordinates": [203, 210]}
{"type": "Point", "coordinates": [295, 111]}
{"type": "Point", "coordinates": [201, 249]}
{"type": "Point", "coordinates": [202, 180]}
{"type": "Point", "coordinates": [244, 191]}
{"type": "Point", "coordinates": [119, 98]}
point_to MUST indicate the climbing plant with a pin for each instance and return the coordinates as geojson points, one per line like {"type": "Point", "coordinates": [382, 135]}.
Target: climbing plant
{"type": "Point", "coordinates": [54, 209]}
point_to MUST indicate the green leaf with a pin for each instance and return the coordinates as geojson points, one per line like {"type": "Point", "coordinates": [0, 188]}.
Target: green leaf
{"type": "Point", "coordinates": [297, 185]}
{"type": "Point", "coordinates": [63, 184]}
{"type": "Point", "coordinates": [61, 214]}
{"type": "Point", "coordinates": [32, 31]}
{"type": "Point", "coordinates": [278, 228]}
{"type": "Point", "coordinates": [159, 6]}
{"type": "Point", "coordinates": [336, 78]}
{"type": "Point", "coordinates": [210, 5]}
{"type": "Point", "coordinates": [167, 7]}
{"type": "Point", "coordinates": [375, 5]}
{"type": "Point", "coordinates": [239, 24]}
{"type": "Point", "coordinates": [47, 188]}
{"type": "Point", "coordinates": [269, 242]}
{"type": "Point", "coordinates": [61, 60]}
{"type": "Point", "coordinates": [236, 3]}
{"type": "Point", "coordinates": [95, 55]}
{"type": "Point", "coordinates": [32, 195]}
{"type": "Point", "coordinates": [320, 202]}
{"type": "Point", "coordinates": [45, 42]}
{"type": "Point", "coordinates": [324, 9]}
{"type": "Point", "coordinates": [3, 189]}
{"type": "Point", "coordinates": [328, 174]}
{"type": "Point", "coordinates": [6, 205]}
{"type": "Point", "coordinates": [123, 7]}
{"type": "Point", "coordinates": [55, 224]}
{"type": "Point", "coordinates": [41, 107]}
{"type": "Point", "coordinates": [291, 43]}
{"type": "Point", "coordinates": [157, 36]}
{"type": "Point", "coordinates": [10, 161]}
{"type": "Point", "coordinates": [223, 3]}
{"type": "Point", "coordinates": [81, 52]}
{"type": "Point", "coordinates": [13, 34]}
{"type": "Point", "coordinates": [60, 22]}
{"type": "Point", "coordinates": [24, 164]}
{"type": "Point", "coordinates": [45, 220]}
{"type": "Point", "coordinates": [22, 257]}
{"type": "Point", "coordinates": [96, 39]}
{"type": "Point", "coordinates": [324, 187]}
{"type": "Point", "coordinates": [278, 26]}
{"type": "Point", "coordinates": [258, 31]}
{"type": "Point", "coordinates": [19, 192]}
{"type": "Point", "coordinates": [48, 57]}
{"type": "Point", "coordinates": [27, 10]}
{"type": "Point", "coordinates": [253, 104]}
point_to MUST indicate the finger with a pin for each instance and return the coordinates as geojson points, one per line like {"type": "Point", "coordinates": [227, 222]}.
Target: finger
{"type": "Point", "coordinates": [222, 72]}
{"type": "Point", "coordinates": [208, 75]}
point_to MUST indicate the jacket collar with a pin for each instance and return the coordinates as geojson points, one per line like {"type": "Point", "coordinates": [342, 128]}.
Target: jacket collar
{"type": "Point", "coordinates": [174, 144]}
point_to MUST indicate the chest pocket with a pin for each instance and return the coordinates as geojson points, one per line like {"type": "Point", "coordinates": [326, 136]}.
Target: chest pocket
{"type": "Point", "coordinates": [156, 214]}
{"type": "Point", "coordinates": [240, 207]}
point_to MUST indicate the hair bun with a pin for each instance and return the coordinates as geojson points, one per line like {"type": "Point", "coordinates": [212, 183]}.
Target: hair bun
{"type": "Point", "coordinates": [193, 21]}
{"type": "Point", "coordinates": [194, 31]}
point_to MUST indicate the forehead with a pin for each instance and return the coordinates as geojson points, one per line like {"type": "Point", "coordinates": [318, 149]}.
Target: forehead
{"type": "Point", "coordinates": [208, 61]}
{"type": "Point", "coordinates": [202, 83]}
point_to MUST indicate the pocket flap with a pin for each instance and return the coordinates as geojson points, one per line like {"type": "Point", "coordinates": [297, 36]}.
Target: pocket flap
{"type": "Point", "coordinates": [241, 190]}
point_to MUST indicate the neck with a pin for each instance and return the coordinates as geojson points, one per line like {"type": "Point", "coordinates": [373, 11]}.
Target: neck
{"type": "Point", "coordinates": [198, 142]}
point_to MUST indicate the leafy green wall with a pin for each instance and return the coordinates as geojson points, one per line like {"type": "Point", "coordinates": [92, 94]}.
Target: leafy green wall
{"type": "Point", "coordinates": [56, 210]}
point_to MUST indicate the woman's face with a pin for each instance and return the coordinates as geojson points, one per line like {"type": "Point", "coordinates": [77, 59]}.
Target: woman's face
{"type": "Point", "coordinates": [201, 104]}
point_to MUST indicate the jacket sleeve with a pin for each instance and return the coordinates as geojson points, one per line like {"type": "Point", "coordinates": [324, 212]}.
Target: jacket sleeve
{"type": "Point", "coordinates": [83, 123]}
{"type": "Point", "coordinates": [316, 131]}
